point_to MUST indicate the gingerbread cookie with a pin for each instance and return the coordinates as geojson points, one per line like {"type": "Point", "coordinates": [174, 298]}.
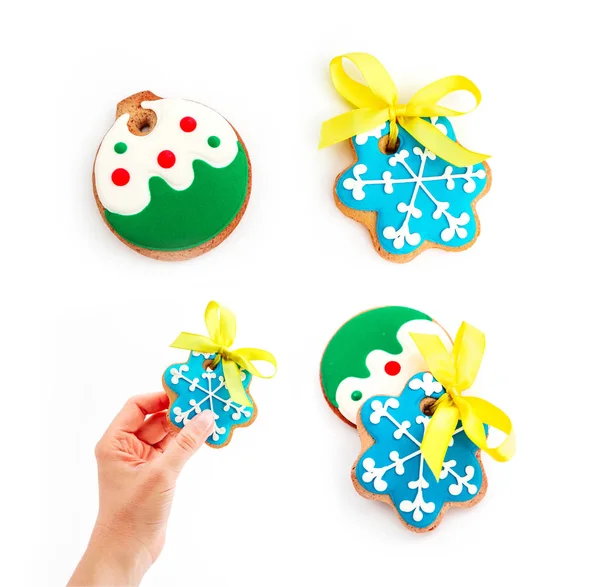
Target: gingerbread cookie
{"type": "Point", "coordinates": [412, 185]}
{"type": "Point", "coordinates": [372, 354]}
{"type": "Point", "coordinates": [215, 377]}
{"type": "Point", "coordinates": [171, 177]}
{"type": "Point", "coordinates": [392, 469]}
{"type": "Point", "coordinates": [411, 200]}
{"type": "Point", "coordinates": [199, 385]}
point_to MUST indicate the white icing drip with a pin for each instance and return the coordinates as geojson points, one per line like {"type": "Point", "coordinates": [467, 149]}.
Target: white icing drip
{"type": "Point", "coordinates": [140, 159]}
{"type": "Point", "coordinates": [379, 382]}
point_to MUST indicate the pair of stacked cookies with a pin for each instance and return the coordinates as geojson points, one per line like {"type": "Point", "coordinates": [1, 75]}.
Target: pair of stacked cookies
{"type": "Point", "coordinates": [375, 378]}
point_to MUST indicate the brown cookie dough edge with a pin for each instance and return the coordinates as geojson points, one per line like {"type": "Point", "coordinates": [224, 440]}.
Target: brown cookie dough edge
{"type": "Point", "coordinates": [369, 219]}
{"type": "Point", "coordinates": [367, 442]}
{"type": "Point", "coordinates": [335, 410]}
{"type": "Point", "coordinates": [128, 105]}
{"type": "Point", "coordinates": [173, 396]}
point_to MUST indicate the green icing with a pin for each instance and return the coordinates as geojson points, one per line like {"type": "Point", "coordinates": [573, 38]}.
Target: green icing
{"type": "Point", "coordinates": [356, 395]}
{"type": "Point", "coordinates": [176, 220]}
{"type": "Point", "coordinates": [347, 351]}
{"type": "Point", "coordinates": [214, 142]}
{"type": "Point", "coordinates": [120, 148]}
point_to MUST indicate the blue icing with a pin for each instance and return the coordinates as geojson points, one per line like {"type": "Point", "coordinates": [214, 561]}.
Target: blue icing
{"type": "Point", "coordinates": [201, 389]}
{"type": "Point", "coordinates": [393, 466]}
{"type": "Point", "coordinates": [441, 212]}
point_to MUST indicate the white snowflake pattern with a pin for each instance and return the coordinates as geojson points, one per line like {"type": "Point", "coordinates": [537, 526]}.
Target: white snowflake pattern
{"type": "Point", "coordinates": [461, 481]}
{"type": "Point", "coordinates": [403, 235]}
{"type": "Point", "coordinates": [211, 396]}
{"type": "Point", "coordinates": [374, 474]}
{"type": "Point", "coordinates": [362, 138]}
{"type": "Point", "coordinates": [427, 383]}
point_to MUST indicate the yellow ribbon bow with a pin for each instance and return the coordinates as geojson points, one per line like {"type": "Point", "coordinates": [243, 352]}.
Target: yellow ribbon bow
{"type": "Point", "coordinates": [457, 372]}
{"type": "Point", "coordinates": [220, 323]}
{"type": "Point", "coordinates": [377, 102]}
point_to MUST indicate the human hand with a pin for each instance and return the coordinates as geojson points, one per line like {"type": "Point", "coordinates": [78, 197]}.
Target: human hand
{"type": "Point", "coordinates": [139, 459]}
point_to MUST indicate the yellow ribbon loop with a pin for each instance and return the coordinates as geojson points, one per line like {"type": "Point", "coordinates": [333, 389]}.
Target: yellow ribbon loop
{"type": "Point", "coordinates": [457, 372]}
{"type": "Point", "coordinates": [377, 102]}
{"type": "Point", "coordinates": [220, 323]}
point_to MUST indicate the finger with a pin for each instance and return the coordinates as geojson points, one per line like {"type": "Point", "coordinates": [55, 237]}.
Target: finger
{"type": "Point", "coordinates": [154, 428]}
{"type": "Point", "coordinates": [133, 414]}
{"type": "Point", "coordinates": [191, 437]}
{"type": "Point", "coordinates": [164, 443]}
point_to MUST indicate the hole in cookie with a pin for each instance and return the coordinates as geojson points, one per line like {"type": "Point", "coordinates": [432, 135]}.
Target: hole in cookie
{"type": "Point", "coordinates": [426, 405]}
{"type": "Point", "coordinates": [145, 123]}
{"type": "Point", "coordinates": [386, 147]}
{"type": "Point", "coordinates": [142, 122]}
{"type": "Point", "coordinates": [207, 363]}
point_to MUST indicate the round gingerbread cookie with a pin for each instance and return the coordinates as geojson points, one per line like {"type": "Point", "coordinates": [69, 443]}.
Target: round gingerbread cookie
{"type": "Point", "coordinates": [171, 177]}
{"type": "Point", "coordinates": [374, 354]}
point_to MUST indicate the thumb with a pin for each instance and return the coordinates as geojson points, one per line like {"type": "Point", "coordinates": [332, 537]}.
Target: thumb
{"type": "Point", "coordinates": [191, 437]}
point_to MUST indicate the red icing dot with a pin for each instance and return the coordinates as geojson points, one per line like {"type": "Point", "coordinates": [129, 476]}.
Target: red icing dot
{"type": "Point", "coordinates": [120, 177]}
{"type": "Point", "coordinates": [187, 124]}
{"type": "Point", "coordinates": [392, 368]}
{"type": "Point", "coordinates": [166, 159]}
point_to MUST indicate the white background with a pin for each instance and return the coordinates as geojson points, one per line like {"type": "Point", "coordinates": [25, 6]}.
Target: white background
{"type": "Point", "coordinates": [86, 322]}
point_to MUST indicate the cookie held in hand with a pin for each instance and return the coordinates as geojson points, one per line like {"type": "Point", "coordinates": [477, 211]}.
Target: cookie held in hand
{"type": "Point", "coordinates": [215, 377]}
{"type": "Point", "coordinates": [198, 385]}
{"type": "Point", "coordinates": [171, 177]}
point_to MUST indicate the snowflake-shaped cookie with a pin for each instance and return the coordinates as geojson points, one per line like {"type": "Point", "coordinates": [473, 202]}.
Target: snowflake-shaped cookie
{"type": "Point", "coordinates": [420, 200]}
{"type": "Point", "coordinates": [194, 387]}
{"type": "Point", "coordinates": [392, 468]}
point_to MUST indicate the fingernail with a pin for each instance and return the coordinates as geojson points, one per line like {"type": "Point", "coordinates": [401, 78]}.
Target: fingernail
{"type": "Point", "coordinates": [204, 420]}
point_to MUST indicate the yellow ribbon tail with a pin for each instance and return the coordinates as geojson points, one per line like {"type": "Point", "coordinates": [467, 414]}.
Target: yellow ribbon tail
{"type": "Point", "coordinates": [494, 417]}
{"type": "Point", "coordinates": [195, 342]}
{"type": "Point", "coordinates": [437, 142]}
{"type": "Point", "coordinates": [235, 387]}
{"type": "Point", "coordinates": [220, 323]}
{"type": "Point", "coordinates": [471, 424]}
{"type": "Point", "coordinates": [244, 358]}
{"type": "Point", "coordinates": [438, 435]}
